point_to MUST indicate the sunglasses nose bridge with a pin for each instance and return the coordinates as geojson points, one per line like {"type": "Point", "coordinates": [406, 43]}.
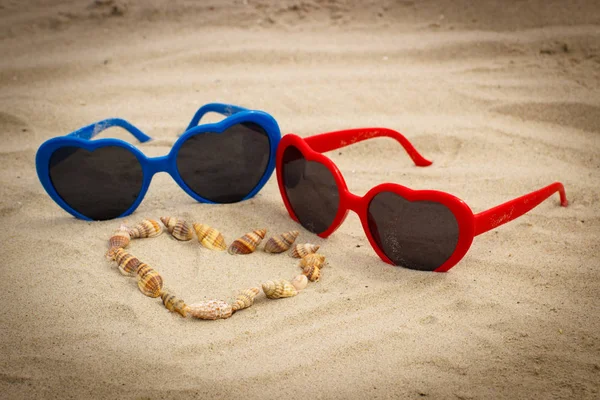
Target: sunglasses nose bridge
{"type": "Point", "coordinates": [158, 164]}
{"type": "Point", "coordinates": [353, 202]}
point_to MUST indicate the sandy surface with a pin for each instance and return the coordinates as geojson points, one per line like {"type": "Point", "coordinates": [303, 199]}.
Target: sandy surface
{"type": "Point", "coordinates": [504, 97]}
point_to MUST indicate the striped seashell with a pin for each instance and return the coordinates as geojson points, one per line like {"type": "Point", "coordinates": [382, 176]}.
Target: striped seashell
{"type": "Point", "coordinates": [128, 264]}
{"type": "Point", "coordinates": [212, 309]}
{"type": "Point", "coordinates": [178, 228]}
{"type": "Point", "coordinates": [247, 243]}
{"type": "Point", "coordinates": [279, 244]}
{"type": "Point", "coordinates": [245, 299]}
{"type": "Point", "coordinates": [300, 250]}
{"type": "Point", "coordinates": [312, 272]}
{"type": "Point", "coordinates": [300, 282]}
{"type": "Point", "coordinates": [174, 304]}
{"type": "Point", "coordinates": [279, 289]}
{"type": "Point", "coordinates": [118, 240]}
{"type": "Point", "coordinates": [316, 259]}
{"type": "Point", "coordinates": [209, 237]}
{"type": "Point", "coordinates": [148, 228]}
{"type": "Point", "coordinates": [149, 281]}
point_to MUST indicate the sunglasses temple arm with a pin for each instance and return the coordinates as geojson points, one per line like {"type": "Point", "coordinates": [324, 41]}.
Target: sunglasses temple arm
{"type": "Point", "coordinates": [503, 213]}
{"type": "Point", "coordinates": [336, 140]}
{"type": "Point", "coordinates": [219, 108]}
{"type": "Point", "coordinates": [89, 131]}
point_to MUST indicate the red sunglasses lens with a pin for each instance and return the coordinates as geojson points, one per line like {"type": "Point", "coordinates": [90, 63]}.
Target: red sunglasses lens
{"type": "Point", "coordinates": [225, 167]}
{"type": "Point", "coordinates": [311, 190]}
{"type": "Point", "coordinates": [419, 235]}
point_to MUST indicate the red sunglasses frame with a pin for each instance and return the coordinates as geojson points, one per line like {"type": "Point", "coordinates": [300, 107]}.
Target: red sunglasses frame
{"type": "Point", "coordinates": [469, 224]}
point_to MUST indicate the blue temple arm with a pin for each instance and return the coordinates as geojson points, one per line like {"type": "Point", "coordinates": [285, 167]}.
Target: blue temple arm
{"type": "Point", "coordinates": [89, 131]}
{"type": "Point", "coordinates": [219, 108]}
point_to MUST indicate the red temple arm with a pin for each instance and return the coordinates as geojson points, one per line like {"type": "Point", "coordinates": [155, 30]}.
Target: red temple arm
{"type": "Point", "coordinates": [490, 219]}
{"type": "Point", "coordinates": [325, 142]}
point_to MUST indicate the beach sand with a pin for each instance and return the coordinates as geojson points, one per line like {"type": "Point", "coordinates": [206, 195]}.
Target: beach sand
{"type": "Point", "coordinates": [504, 97]}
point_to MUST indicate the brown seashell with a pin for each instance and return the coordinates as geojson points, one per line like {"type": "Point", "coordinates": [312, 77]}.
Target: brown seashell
{"type": "Point", "coordinates": [174, 304]}
{"type": "Point", "coordinates": [300, 282]}
{"type": "Point", "coordinates": [148, 228]}
{"type": "Point", "coordinates": [300, 250]}
{"type": "Point", "coordinates": [212, 309]}
{"type": "Point", "coordinates": [209, 237]}
{"type": "Point", "coordinates": [247, 243]}
{"type": "Point", "coordinates": [279, 289]}
{"type": "Point", "coordinates": [178, 228]}
{"type": "Point", "coordinates": [149, 281]}
{"type": "Point", "coordinates": [279, 244]}
{"type": "Point", "coordinates": [118, 240]}
{"type": "Point", "coordinates": [312, 272]}
{"type": "Point", "coordinates": [128, 264]}
{"type": "Point", "coordinates": [245, 299]}
{"type": "Point", "coordinates": [316, 259]}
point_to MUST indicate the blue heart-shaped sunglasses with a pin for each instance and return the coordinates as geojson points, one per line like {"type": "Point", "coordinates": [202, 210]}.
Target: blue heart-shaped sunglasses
{"type": "Point", "coordinates": [224, 162]}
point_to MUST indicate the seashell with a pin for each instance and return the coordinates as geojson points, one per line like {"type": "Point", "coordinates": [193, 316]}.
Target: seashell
{"type": "Point", "coordinates": [149, 281]}
{"type": "Point", "coordinates": [127, 263]}
{"type": "Point", "coordinates": [279, 289]}
{"type": "Point", "coordinates": [316, 259]}
{"type": "Point", "coordinates": [300, 282]}
{"type": "Point", "coordinates": [279, 244]}
{"type": "Point", "coordinates": [212, 309]}
{"type": "Point", "coordinates": [178, 228]}
{"type": "Point", "coordinates": [174, 304]}
{"type": "Point", "coordinates": [118, 240]}
{"type": "Point", "coordinates": [209, 237]}
{"type": "Point", "coordinates": [300, 250]}
{"type": "Point", "coordinates": [245, 299]}
{"type": "Point", "coordinates": [312, 272]}
{"type": "Point", "coordinates": [148, 228]}
{"type": "Point", "coordinates": [247, 243]}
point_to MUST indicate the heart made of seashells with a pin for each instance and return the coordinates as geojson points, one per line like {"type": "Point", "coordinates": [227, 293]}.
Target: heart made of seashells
{"type": "Point", "coordinates": [150, 283]}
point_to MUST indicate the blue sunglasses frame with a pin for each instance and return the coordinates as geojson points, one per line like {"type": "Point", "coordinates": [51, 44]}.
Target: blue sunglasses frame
{"type": "Point", "coordinates": [150, 166]}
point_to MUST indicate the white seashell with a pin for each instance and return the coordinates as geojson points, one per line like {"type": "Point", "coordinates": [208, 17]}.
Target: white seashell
{"type": "Point", "coordinates": [211, 309]}
{"type": "Point", "coordinates": [300, 282]}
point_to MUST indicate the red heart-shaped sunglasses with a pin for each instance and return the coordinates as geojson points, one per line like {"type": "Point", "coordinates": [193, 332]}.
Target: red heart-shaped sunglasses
{"type": "Point", "coordinates": [425, 230]}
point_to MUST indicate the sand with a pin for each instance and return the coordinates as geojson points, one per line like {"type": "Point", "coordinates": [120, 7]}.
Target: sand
{"type": "Point", "coordinates": [504, 97]}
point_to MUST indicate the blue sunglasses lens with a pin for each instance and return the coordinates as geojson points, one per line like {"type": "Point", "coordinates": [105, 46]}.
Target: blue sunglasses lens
{"type": "Point", "coordinates": [100, 184]}
{"type": "Point", "coordinates": [225, 167]}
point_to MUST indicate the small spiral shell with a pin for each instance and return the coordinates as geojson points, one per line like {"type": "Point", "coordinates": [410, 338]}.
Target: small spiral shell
{"type": "Point", "coordinates": [149, 281]}
{"type": "Point", "coordinates": [212, 309]}
{"type": "Point", "coordinates": [316, 259]}
{"type": "Point", "coordinates": [312, 272]}
{"type": "Point", "coordinates": [300, 282]}
{"type": "Point", "coordinates": [247, 243]}
{"type": "Point", "coordinates": [300, 250]}
{"type": "Point", "coordinates": [279, 289]}
{"type": "Point", "coordinates": [178, 228]}
{"type": "Point", "coordinates": [280, 243]}
{"type": "Point", "coordinates": [118, 240]}
{"type": "Point", "coordinates": [174, 304]}
{"type": "Point", "coordinates": [209, 237]}
{"type": "Point", "coordinates": [245, 299]}
{"type": "Point", "coordinates": [128, 264]}
{"type": "Point", "coordinates": [148, 228]}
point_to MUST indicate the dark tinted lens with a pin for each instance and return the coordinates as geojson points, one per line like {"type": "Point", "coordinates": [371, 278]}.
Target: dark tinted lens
{"type": "Point", "coordinates": [225, 167]}
{"type": "Point", "coordinates": [101, 184]}
{"type": "Point", "coordinates": [311, 190]}
{"type": "Point", "coordinates": [418, 235]}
